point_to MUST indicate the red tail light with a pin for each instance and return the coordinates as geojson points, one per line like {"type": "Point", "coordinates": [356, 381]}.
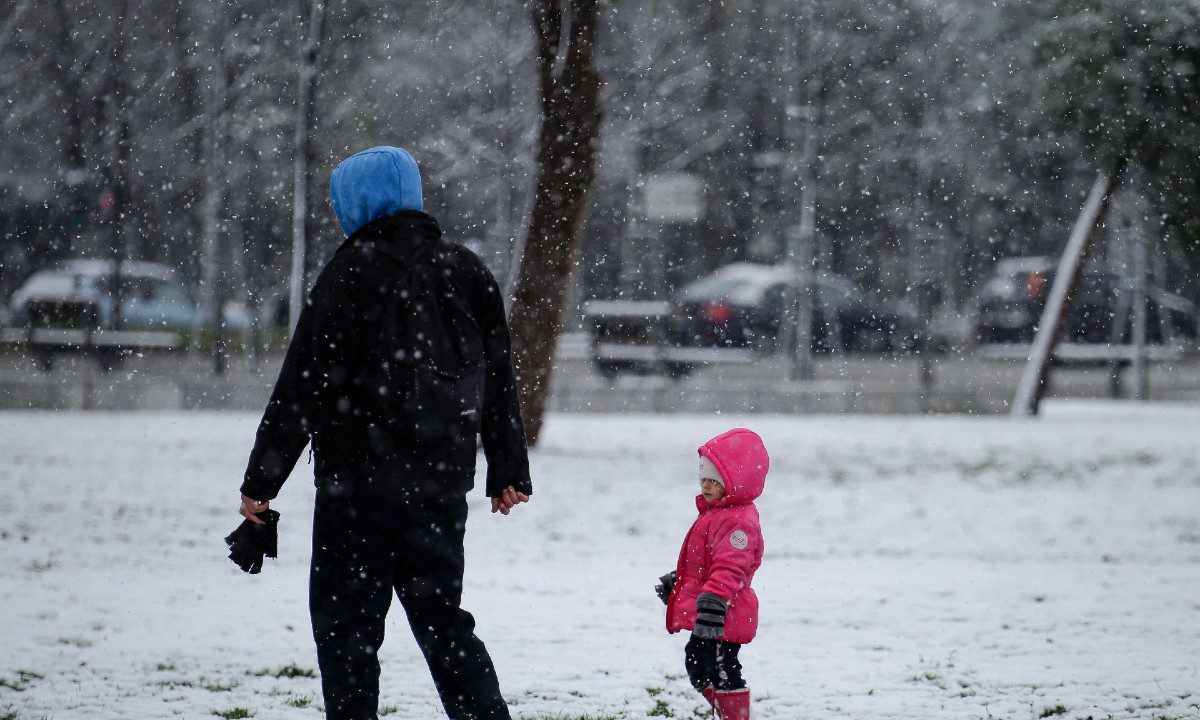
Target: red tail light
{"type": "Point", "coordinates": [1035, 285]}
{"type": "Point", "coordinates": [717, 312]}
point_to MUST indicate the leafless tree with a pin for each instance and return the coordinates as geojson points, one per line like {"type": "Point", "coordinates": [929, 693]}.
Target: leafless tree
{"type": "Point", "coordinates": [570, 101]}
{"type": "Point", "coordinates": [313, 31]}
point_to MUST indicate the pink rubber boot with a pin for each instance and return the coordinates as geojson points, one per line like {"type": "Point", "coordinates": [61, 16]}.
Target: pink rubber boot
{"type": "Point", "coordinates": [710, 694]}
{"type": "Point", "coordinates": [733, 705]}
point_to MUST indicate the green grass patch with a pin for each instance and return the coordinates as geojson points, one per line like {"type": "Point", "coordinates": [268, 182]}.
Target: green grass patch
{"type": "Point", "coordinates": [561, 716]}
{"type": "Point", "coordinates": [389, 709]}
{"type": "Point", "coordinates": [1052, 711]}
{"type": "Point", "coordinates": [234, 714]}
{"type": "Point", "coordinates": [291, 670]}
{"type": "Point", "coordinates": [303, 702]}
{"type": "Point", "coordinates": [172, 684]}
{"type": "Point", "coordinates": [21, 683]}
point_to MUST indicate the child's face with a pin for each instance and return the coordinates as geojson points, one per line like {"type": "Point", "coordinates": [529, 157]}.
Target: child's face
{"type": "Point", "coordinates": [710, 481]}
{"type": "Point", "coordinates": [711, 489]}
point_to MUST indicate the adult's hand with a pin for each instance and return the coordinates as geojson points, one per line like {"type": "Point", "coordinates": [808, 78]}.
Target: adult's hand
{"type": "Point", "coordinates": [250, 508]}
{"type": "Point", "coordinates": [508, 499]}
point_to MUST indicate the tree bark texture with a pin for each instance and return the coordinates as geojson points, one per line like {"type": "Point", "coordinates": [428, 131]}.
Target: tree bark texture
{"type": "Point", "coordinates": [570, 98]}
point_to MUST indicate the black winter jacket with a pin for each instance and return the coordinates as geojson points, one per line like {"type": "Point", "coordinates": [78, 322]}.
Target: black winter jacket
{"type": "Point", "coordinates": [327, 391]}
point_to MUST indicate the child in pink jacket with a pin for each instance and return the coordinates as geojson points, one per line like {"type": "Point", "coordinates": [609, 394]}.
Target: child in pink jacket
{"type": "Point", "coordinates": [709, 593]}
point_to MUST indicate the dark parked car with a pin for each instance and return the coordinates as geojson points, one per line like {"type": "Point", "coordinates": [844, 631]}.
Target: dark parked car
{"type": "Point", "coordinates": [744, 305]}
{"type": "Point", "coordinates": [1011, 302]}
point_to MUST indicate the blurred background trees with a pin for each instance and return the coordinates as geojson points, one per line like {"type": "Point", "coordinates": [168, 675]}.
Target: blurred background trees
{"type": "Point", "coordinates": [1123, 77]}
{"type": "Point", "coordinates": [944, 134]}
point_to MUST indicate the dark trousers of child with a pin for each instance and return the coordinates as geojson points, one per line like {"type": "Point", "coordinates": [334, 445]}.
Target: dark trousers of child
{"type": "Point", "coordinates": [713, 663]}
{"type": "Point", "coordinates": [365, 549]}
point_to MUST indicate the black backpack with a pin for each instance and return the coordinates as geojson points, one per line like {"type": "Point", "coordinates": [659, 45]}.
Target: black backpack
{"type": "Point", "coordinates": [431, 373]}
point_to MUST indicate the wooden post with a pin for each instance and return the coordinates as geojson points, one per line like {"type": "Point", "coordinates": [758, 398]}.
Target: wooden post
{"type": "Point", "coordinates": [1037, 368]}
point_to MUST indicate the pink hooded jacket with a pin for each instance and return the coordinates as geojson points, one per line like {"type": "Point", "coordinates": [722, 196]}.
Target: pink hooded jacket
{"type": "Point", "coordinates": [725, 545]}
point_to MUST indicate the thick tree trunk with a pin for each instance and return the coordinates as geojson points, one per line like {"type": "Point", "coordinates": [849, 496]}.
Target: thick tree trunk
{"type": "Point", "coordinates": [570, 88]}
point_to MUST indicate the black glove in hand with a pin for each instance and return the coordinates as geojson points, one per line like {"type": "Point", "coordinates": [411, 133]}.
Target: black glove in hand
{"type": "Point", "coordinates": [251, 541]}
{"type": "Point", "coordinates": [710, 616]}
{"type": "Point", "coordinates": [666, 583]}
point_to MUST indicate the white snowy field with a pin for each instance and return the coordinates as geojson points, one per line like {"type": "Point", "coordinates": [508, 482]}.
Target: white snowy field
{"type": "Point", "coordinates": [916, 568]}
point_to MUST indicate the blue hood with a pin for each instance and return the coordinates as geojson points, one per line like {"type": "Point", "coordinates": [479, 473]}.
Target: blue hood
{"type": "Point", "coordinates": [374, 183]}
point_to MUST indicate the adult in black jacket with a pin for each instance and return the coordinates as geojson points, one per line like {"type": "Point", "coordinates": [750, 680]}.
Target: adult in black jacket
{"type": "Point", "coordinates": [391, 493]}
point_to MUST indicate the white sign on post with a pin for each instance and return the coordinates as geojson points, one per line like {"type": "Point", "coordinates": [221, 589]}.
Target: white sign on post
{"type": "Point", "coordinates": [673, 198]}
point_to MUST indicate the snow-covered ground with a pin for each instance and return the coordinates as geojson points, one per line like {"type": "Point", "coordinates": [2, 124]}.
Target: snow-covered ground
{"type": "Point", "coordinates": [916, 568]}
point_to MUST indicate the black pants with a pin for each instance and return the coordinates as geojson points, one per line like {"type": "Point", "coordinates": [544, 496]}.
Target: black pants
{"type": "Point", "coordinates": [713, 663]}
{"type": "Point", "coordinates": [363, 549]}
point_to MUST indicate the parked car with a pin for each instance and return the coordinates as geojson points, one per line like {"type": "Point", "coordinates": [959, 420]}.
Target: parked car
{"type": "Point", "coordinates": [78, 294]}
{"type": "Point", "coordinates": [69, 307]}
{"type": "Point", "coordinates": [1011, 302]}
{"type": "Point", "coordinates": [744, 305]}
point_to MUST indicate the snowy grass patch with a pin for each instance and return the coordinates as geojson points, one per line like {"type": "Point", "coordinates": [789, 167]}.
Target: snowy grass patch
{"type": "Point", "coordinates": [923, 568]}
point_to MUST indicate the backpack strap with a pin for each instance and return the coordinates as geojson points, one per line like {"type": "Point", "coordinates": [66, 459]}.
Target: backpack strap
{"type": "Point", "coordinates": [396, 320]}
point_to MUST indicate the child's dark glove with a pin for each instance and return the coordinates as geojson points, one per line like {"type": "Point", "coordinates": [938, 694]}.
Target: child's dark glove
{"type": "Point", "coordinates": [251, 541]}
{"type": "Point", "coordinates": [710, 616]}
{"type": "Point", "coordinates": [665, 585]}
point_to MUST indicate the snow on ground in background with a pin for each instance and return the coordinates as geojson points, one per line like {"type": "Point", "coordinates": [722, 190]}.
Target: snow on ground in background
{"type": "Point", "coordinates": [916, 567]}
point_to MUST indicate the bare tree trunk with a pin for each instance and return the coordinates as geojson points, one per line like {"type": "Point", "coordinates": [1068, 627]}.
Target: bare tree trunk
{"type": "Point", "coordinates": [213, 197]}
{"type": "Point", "coordinates": [68, 76]}
{"type": "Point", "coordinates": [306, 77]}
{"type": "Point", "coordinates": [570, 88]}
{"type": "Point", "coordinates": [116, 170]}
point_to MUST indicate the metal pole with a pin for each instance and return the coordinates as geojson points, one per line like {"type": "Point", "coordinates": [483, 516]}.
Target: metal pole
{"type": "Point", "coordinates": [213, 200]}
{"type": "Point", "coordinates": [800, 171]}
{"type": "Point", "coordinates": [1120, 319]}
{"type": "Point", "coordinates": [1037, 368]}
{"type": "Point", "coordinates": [1140, 374]}
{"type": "Point", "coordinates": [804, 368]}
{"type": "Point", "coordinates": [800, 253]}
